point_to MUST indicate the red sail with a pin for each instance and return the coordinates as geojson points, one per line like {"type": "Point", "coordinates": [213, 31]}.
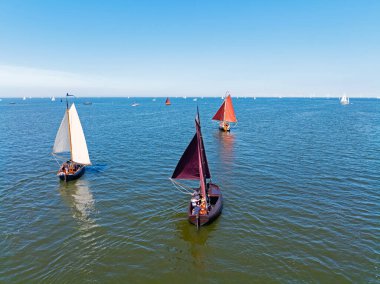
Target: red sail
{"type": "Point", "coordinates": [167, 102]}
{"type": "Point", "coordinates": [226, 111]}
{"type": "Point", "coordinates": [192, 159]}
{"type": "Point", "coordinates": [229, 113]}
{"type": "Point", "coordinates": [220, 113]}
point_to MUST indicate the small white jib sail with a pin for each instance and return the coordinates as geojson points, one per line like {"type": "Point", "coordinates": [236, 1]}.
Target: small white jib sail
{"type": "Point", "coordinates": [70, 138]}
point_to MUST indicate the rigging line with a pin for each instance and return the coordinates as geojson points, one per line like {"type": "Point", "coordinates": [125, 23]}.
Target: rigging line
{"type": "Point", "coordinates": [179, 187]}
{"type": "Point", "coordinates": [180, 190]}
{"type": "Point", "coordinates": [56, 160]}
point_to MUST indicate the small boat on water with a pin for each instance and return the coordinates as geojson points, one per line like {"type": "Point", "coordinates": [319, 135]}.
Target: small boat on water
{"type": "Point", "coordinates": [344, 100]}
{"type": "Point", "coordinates": [167, 102]}
{"type": "Point", "coordinates": [226, 114]}
{"type": "Point", "coordinates": [70, 138]}
{"type": "Point", "coordinates": [53, 99]}
{"type": "Point", "coordinates": [207, 202]}
{"type": "Point", "coordinates": [24, 98]}
{"type": "Point", "coordinates": [135, 104]}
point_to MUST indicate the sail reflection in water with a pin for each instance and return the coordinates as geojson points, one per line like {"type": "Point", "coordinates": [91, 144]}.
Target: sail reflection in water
{"type": "Point", "coordinates": [197, 240]}
{"type": "Point", "coordinates": [81, 201]}
{"type": "Point", "coordinates": [225, 142]}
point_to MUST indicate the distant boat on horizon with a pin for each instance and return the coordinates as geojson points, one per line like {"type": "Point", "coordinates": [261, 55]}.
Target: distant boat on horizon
{"type": "Point", "coordinates": [206, 202]}
{"type": "Point", "coordinates": [344, 100]}
{"type": "Point", "coordinates": [24, 98]}
{"type": "Point", "coordinates": [195, 99]}
{"type": "Point", "coordinates": [70, 138]}
{"type": "Point", "coordinates": [53, 99]}
{"type": "Point", "coordinates": [167, 102]}
{"type": "Point", "coordinates": [226, 114]}
{"type": "Point", "coordinates": [87, 103]}
{"type": "Point", "coordinates": [135, 104]}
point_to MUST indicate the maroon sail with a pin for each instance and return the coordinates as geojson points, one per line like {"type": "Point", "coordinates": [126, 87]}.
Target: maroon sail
{"type": "Point", "coordinates": [188, 167]}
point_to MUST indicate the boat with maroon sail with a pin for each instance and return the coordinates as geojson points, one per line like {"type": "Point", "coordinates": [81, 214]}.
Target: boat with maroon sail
{"type": "Point", "coordinates": [206, 202]}
{"type": "Point", "coordinates": [226, 114]}
{"type": "Point", "coordinates": [167, 102]}
{"type": "Point", "coordinates": [70, 138]}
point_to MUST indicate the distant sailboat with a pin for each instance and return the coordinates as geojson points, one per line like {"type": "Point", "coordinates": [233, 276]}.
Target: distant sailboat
{"type": "Point", "coordinates": [70, 138]}
{"type": "Point", "coordinates": [24, 98]}
{"type": "Point", "coordinates": [344, 100]}
{"type": "Point", "coordinates": [207, 202]}
{"type": "Point", "coordinates": [135, 104]}
{"type": "Point", "coordinates": [167, 102]}
{"type": "Point", "coordinates": [226, 114]}
{"type": "Point", "coordinates": [53, 99]}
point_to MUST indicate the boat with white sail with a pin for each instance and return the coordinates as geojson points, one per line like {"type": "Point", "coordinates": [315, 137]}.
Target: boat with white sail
{"type": "Point", "coordinates": [70, 139]}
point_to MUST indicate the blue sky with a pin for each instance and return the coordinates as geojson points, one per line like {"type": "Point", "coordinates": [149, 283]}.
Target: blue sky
{"type": "Point", "coordinates": [190, 48]}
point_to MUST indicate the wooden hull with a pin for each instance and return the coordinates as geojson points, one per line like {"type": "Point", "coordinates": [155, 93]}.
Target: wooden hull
{"type": "Point", "coordinates": [216, 200]}
{"type": "Point", "coordinates": [71, 176]}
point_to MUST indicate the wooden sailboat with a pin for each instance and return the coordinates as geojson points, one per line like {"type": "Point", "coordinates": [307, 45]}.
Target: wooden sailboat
{"type": "Point", "coordinates": [167, 102]}
{"type": "Point", "coordinates": [207, 202]}
{"type": "Point", "coordinates": [70, 138]}
{"type": "Point", "coordinates": [226, 114]}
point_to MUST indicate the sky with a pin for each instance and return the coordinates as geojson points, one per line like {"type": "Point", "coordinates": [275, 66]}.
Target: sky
{"type": "Point", "coordinates": [190, 48]}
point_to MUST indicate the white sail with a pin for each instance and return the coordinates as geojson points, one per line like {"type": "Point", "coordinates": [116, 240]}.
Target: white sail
{"type": "Point", "coordinates": [78, 149]}
{"type": "Point", "coordinates": [344, 100]}
{"type": "Point", "coordinates": [62, 140]}
{"type": "Point", "coordinates": [79, 152]}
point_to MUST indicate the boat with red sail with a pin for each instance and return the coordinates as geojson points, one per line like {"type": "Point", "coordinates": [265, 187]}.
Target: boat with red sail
{"type": "Point", "coordinates": [206, 202]}
{"type": "Point", "coordinates": [226, 114]}
{"type": "Point", "coordinates": [167, 102]}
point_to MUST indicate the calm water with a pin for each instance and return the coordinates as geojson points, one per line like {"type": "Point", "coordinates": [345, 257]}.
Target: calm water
{"type": "Point", "coordinates": [300, 179]}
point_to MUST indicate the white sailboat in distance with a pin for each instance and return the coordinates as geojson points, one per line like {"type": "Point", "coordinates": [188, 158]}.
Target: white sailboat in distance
{"type": "Point", "coordinates": [344, 100]}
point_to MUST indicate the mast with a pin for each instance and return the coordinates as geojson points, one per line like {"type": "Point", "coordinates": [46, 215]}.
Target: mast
{"type": "Point", "coordinates": [68, 123]}
{"type": "Point", "coordinates": [201, 155]}
{"type": "Point", "coordinates": [224, 109]}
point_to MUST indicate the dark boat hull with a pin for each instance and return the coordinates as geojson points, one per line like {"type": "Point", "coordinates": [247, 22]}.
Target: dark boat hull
{"type": "Point", "coordinates": [216, 209]}
{"type": "Point", "coordinates": [224, 130]}
{"type": "Point", "coordinates": [73, 176]}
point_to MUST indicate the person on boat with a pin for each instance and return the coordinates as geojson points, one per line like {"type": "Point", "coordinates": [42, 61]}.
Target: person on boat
{"type": "Point", "coordinates": [195, 201]}
{"type": "Point", "coordinates": [224, 125]}
{"type": "Point", "coordinates": [64, 168]}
